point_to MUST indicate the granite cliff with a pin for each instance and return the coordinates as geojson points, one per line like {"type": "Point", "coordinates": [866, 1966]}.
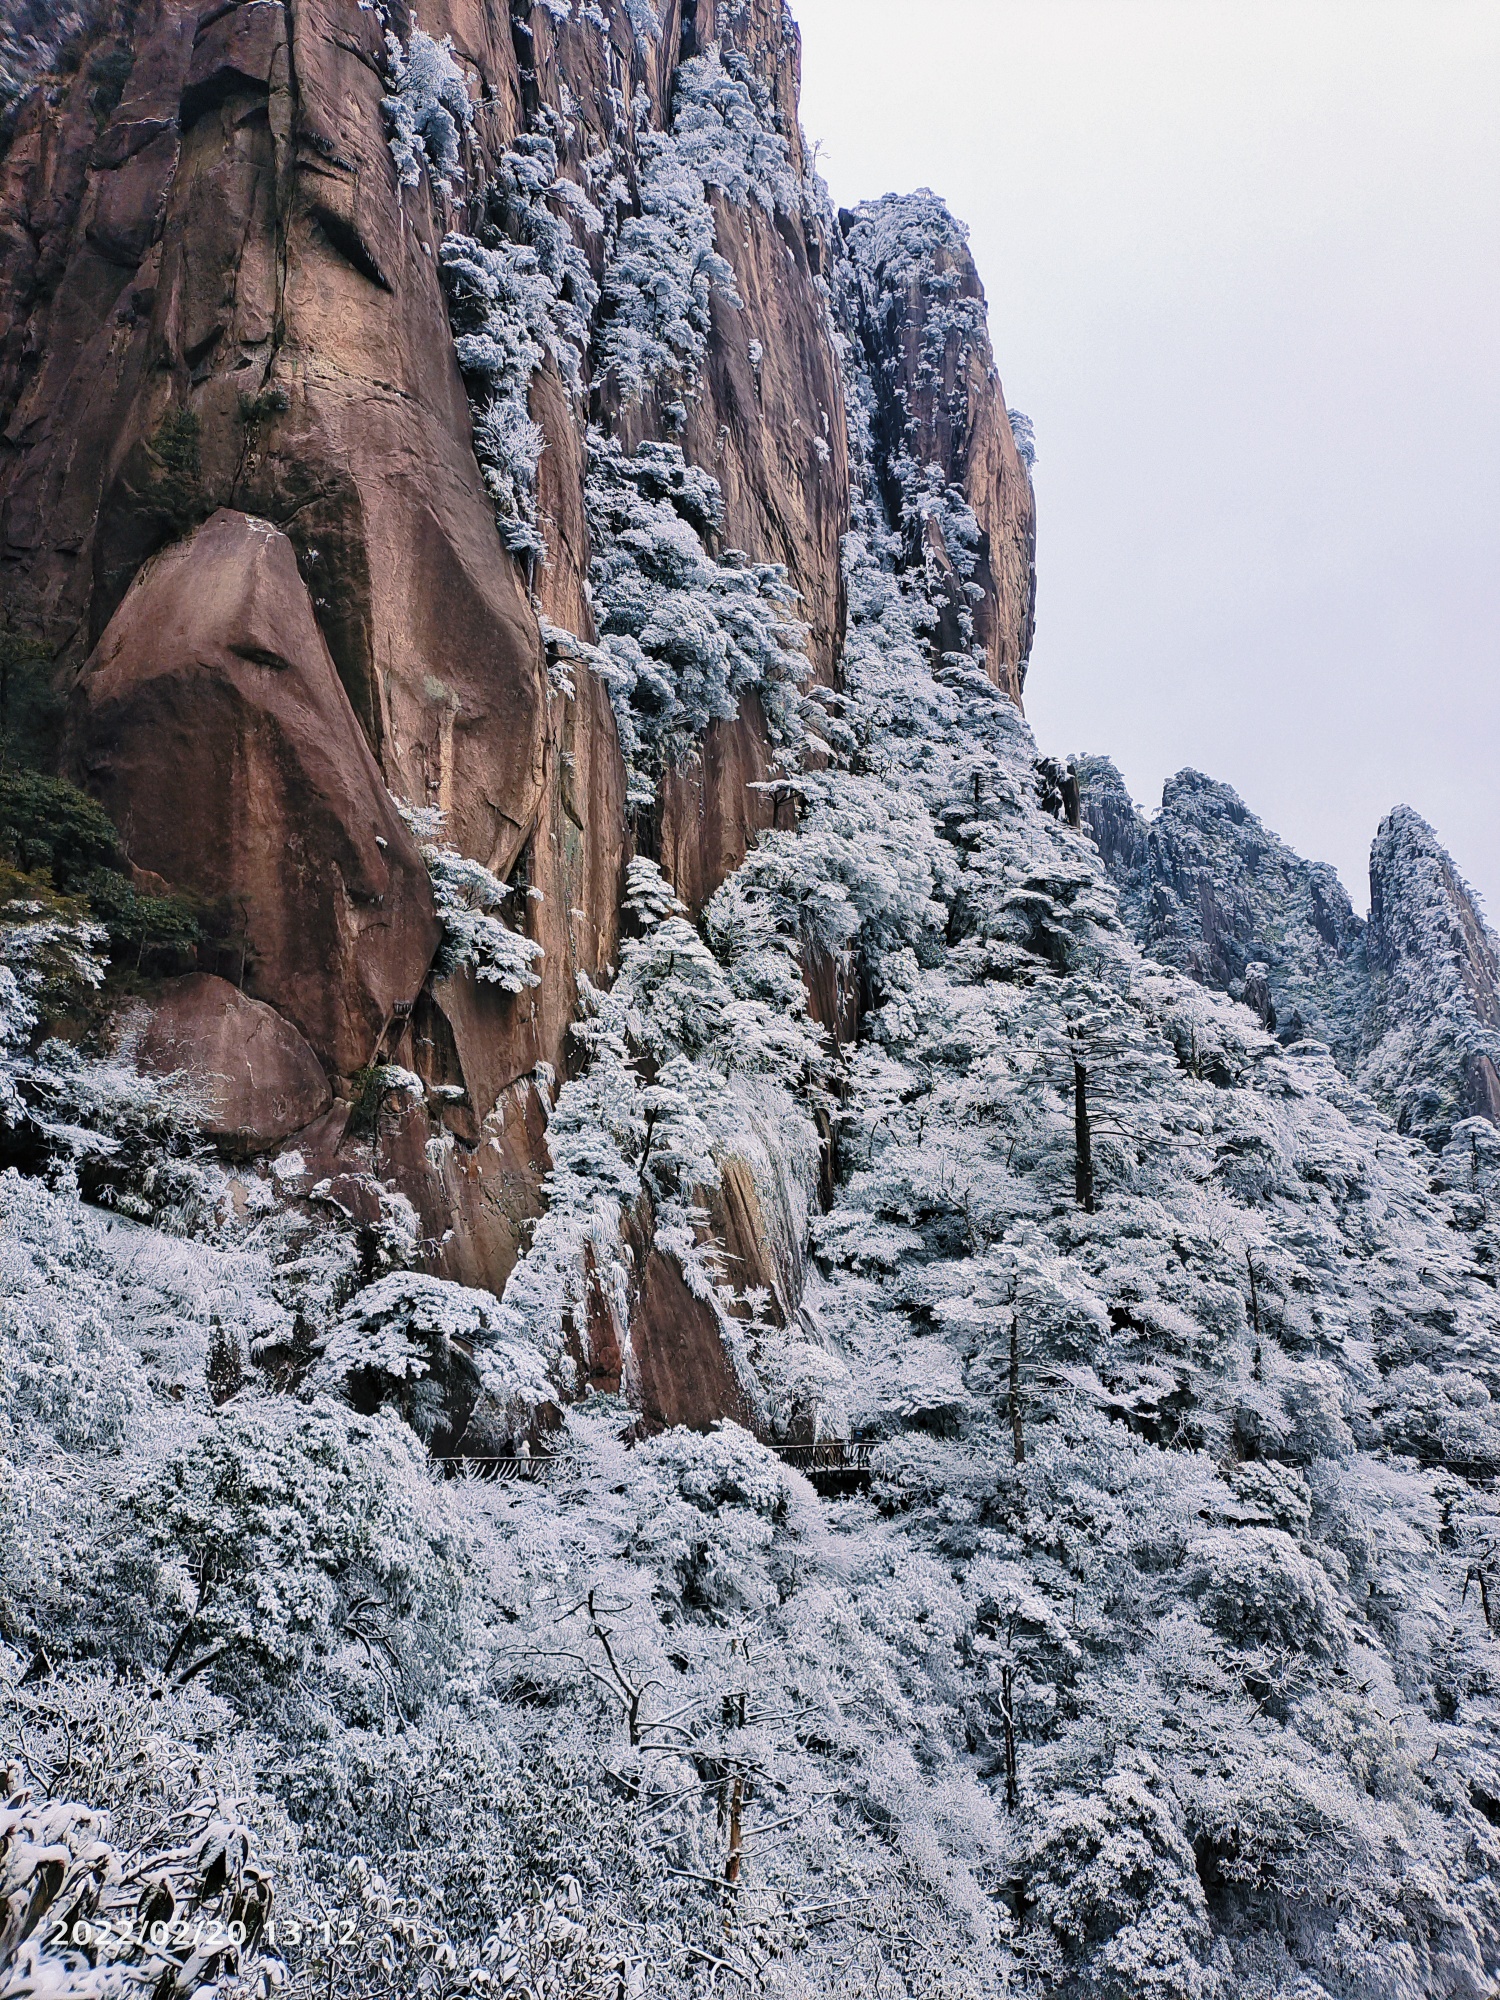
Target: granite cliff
{"type": "Point", "coordinates": [243, 508]}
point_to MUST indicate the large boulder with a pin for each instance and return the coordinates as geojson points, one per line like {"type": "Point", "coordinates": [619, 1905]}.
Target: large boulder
{"type": "Point", "coordinates": [255, 1078]}
{"type": "Point", "coordinates": [211, 724]}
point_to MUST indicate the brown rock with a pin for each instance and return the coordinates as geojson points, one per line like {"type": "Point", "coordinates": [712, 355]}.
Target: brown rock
{"type": "Point", "coordinates": [212, 726]}
{"type": "Point", "coordinates": [234, 48]}
{"type": "Point", "coordinates": [676, 1370]}
{"type": "Point", "coordinates": [709, 812]}
{"type": "Point", "coordinates": [235, 242]}
{"type": "Point", "coordinates": [254, 1075]}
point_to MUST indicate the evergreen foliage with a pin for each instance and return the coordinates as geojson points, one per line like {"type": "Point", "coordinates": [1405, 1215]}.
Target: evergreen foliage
{"type": "Point", "coordinates": [683, 634]}
{"type": "Point", "coordinates": [30, 706]}
{"type": "Point", "coordinates": [428, 109]}
{"type": "Point", "coordinates": [469, 901]}
{"type": "Point", "coordinates": [176, 490]}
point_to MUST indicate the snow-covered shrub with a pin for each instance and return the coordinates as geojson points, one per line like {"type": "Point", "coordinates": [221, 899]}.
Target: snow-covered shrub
{"type": "Point", "coordinates": [50, 951]}
{"type": "Point", "coordinates": [257, 1542]}
{"type": "Point", "coordinates": [726, 1467]}
{"type": "Point", "coordinates": [723, 124]}
{"type": "Point", "coordinates": [1443, 1419]}
{"type": "Point", "coordinates": [428, 108]}
{"type": "Point", "coordinates": [437, 1352]}
{"type": "Point", "coordinates": [1276, 1490]}
{"type": "Point", "coordinates": [75, 1911]}
{"type": "Point", "coordinates": [1024, 432]}
{"type": "Point", "coordinates": [65, 1381]}
{"type": "Point", "coordinates": [661, 279]}
{"type": "Point", "coordinates": [1258, 1588]}
{"type": "Point", "coordinates": [684, 635]}
{"type": "Point", "coordinates": [1112, 1877]}
{"type": "Point", "coordinates": [469, 900]}
{"type": "Point", "coordinates": [523, 295]}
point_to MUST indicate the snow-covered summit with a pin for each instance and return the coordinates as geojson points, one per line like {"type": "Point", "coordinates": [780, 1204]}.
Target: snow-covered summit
{"type": "Point", "coordinates": [1409, 1005]}
{"type": "Point", "coordinates": [1433, 1033]}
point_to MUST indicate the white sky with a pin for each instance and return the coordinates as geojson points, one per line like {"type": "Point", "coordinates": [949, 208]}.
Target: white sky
{"type": "Point", "coordinates": [1243, 264]}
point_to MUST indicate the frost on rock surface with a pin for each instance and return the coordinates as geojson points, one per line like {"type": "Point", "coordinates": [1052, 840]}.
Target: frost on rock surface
{"type": "Point", "coordinates": [1433, 1039]}
{"type": "Point", "coordinates": [1410, 1004]}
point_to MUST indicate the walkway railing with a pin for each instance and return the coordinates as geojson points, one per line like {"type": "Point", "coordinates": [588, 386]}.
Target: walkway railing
{"type": "Point", "coordinates": [461, 1466]}
{"type": "Point", "coordinates": [837, 1468]}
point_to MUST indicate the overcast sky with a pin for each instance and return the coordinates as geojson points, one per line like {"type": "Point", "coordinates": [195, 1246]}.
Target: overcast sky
{"type": "Point", "coordinates": [1243, 264]}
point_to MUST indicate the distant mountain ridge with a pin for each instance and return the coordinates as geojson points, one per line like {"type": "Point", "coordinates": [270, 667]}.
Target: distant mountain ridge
{"type": "Point", "coordinates": [1408, 1004]}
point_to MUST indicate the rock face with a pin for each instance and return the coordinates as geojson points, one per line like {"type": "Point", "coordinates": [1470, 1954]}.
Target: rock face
{"type": "Point", "coordinates": [255, 506]}
{"type": "Point", "coordinates": [213, 727]}
{"type": "Point", "coordinates": [255, 1076]}
{"type": "Point", "coordinates": [921, 310]}
{"type": "Point", "coordinates": [1433, 1042]}
{"type": "Point", "coordinates": [1205, 887]}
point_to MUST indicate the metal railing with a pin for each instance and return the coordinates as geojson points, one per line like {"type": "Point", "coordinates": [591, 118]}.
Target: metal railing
{"type": "Point", "coordinates": [464, 1465]}
{"type": "Point", "coordinates": [838, 1467]}
{"type": "Point", "coordinates": [834, 1455]}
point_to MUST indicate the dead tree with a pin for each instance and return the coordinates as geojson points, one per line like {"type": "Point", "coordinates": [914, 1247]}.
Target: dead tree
{"type": "Point", "coordinates": [1254, 1311]}
{"type": "Point", "coordinates": [1476, 1575]}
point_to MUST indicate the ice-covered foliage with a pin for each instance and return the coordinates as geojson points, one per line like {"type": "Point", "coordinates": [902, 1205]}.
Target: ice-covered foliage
{"type": "Point", "coordinates": [32, 36]}
{"type": "Point", "coordinates": [437, 1352]}
{"type": "Point", "coordinates": [523, 295]}
{"type": "Point", "coordinates": [701, 1054]}
{"type": "Point", "coordinates": [725, 128]}
{"type": "Point", "coordinates": [429, 109]}
{"type": "Point", "coordinates": [634, 1719]}
{"type": "Point", "coordinates": [1159, 1657]}
{"type": "Point", "coordinates": [469, 900]}
{"type": "Point", "coordinates": [1433, 1038]}
{"type": "Point", "coordinates": [71, 1903]}
{"type": "Point", "coordinates": [1023, 430]}
{"type": "Point", "coordinates": [906, 258]}
{"type": "Point", "coordinates": [665, 269]}
{"type": "Point", "coordinates": [49, 949]}
{"type": "Point", "coordinates": [1165, 1325]}
{"type": "Point", "coordinates": [660, 282]}
{"type": "Point", "coordinates": [684, 633]}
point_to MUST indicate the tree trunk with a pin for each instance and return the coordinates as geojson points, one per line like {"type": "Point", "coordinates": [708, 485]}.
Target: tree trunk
{"type": "Point", "coordinates": [1083, 1161]}
{"type": "Point", "coordinates": [1017, 1423]}
{"type": "Point", "coordinates": [1008, 1718]}
{"type": "Point", "coordinates": [736, 1839]}
{"type": "Point", "coordinates": [1254, 1314]}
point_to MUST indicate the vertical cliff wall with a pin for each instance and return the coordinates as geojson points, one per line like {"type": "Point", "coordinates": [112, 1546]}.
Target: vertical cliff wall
{"type": "Point", "coordinates": [503, 355]}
